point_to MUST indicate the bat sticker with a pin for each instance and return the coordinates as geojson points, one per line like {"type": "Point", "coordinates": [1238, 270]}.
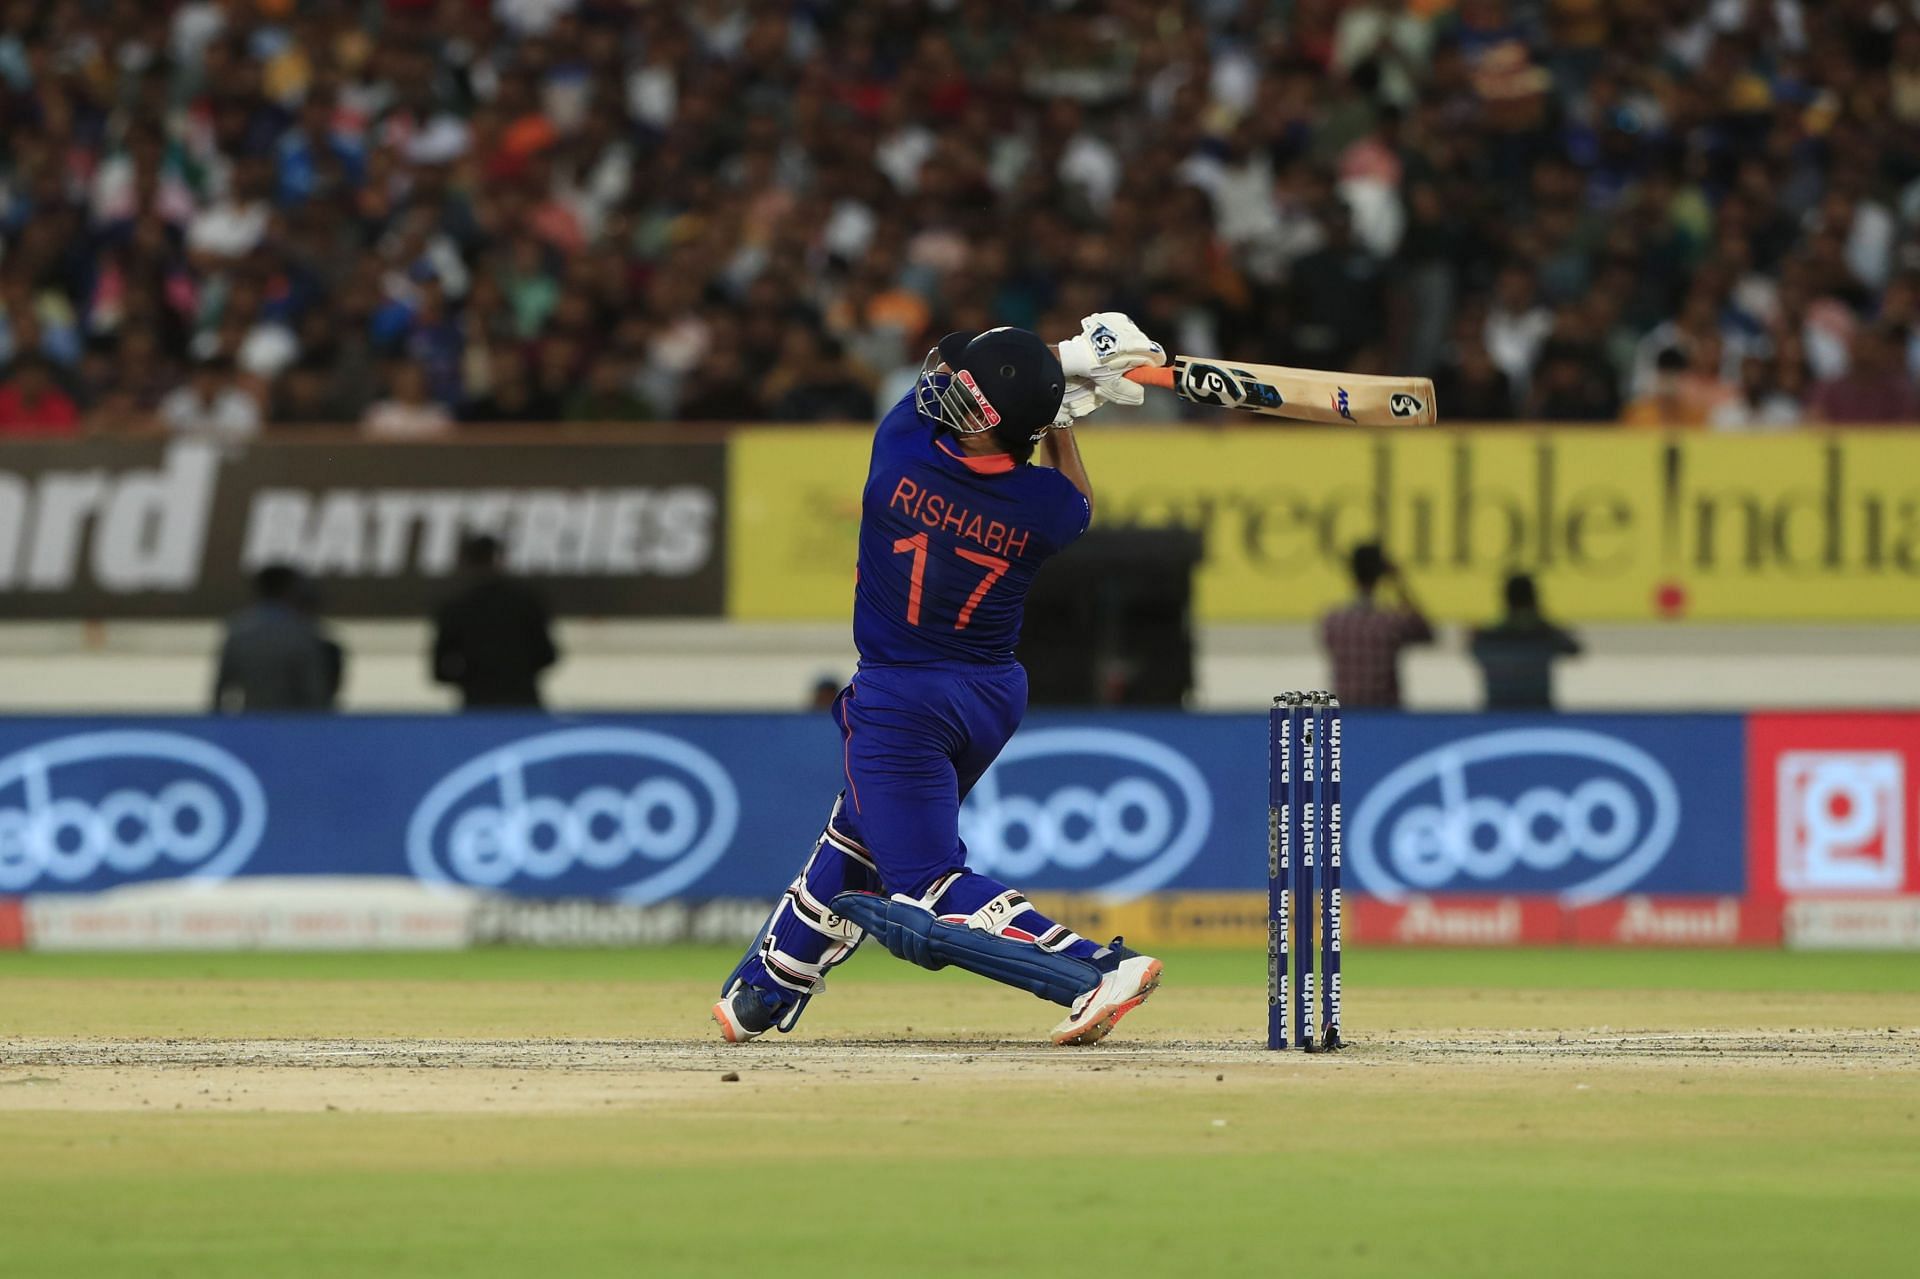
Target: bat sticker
{"type": "Point", "coordinates": [1341, 404]}
{"type": "Point", "coordinates": [1228, 389]}
{"type": "Point", "coordinates": [1404, 405]}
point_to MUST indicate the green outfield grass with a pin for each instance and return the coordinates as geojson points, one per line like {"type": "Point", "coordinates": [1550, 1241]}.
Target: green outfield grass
{"type": "Point", "coordinates": [1546, 968]}
{"type": "Point", "coordinates": [1451, 1140]}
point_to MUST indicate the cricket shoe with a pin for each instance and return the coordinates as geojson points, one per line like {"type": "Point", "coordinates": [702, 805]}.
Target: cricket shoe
{"type": "Point", "coordinates": [1125, 988]}
{"type": "Point", "coordinates": [744, 1014]}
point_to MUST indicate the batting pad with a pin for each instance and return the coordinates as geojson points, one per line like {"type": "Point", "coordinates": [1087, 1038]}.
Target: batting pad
{"type": "Point", "coordinates": [911, 932]}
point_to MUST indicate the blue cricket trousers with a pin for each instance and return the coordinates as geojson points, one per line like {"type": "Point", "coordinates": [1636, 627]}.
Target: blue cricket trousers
{"type": "Point", "coordinates": [914, 741]}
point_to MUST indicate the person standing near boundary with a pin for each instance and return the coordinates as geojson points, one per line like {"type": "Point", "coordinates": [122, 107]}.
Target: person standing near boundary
{"type": "Point", "coordinates": [492, 639]}
{"type": "Point", "coordinates": [1364, 637]}
{"type": "Point", "coordinates": [274, 656]}
{"type": "Point", "coordinates": [1516, 654]}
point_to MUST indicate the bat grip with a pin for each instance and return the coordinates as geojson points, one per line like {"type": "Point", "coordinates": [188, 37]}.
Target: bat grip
{"type": "Point", "coordinates": [1147, 375]}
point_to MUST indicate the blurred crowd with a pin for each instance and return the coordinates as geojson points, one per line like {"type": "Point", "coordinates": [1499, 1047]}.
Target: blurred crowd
{"type": "Point", "coordinates": [421, 217]}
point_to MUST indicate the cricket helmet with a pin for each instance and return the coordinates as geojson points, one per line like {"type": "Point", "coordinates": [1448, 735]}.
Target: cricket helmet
{"type": "Point", "coordinates": [1004, 381]}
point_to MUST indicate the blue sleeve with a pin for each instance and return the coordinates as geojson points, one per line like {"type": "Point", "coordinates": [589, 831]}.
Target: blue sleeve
{"type": "Point", "coordinates": [898, 432]}
{"type": "Point", "coordinates": [901, 420]}
{"type": "Point", "coordinates": [1073, 512]}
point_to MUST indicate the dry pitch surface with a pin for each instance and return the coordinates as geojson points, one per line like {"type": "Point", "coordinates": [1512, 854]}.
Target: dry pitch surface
{"type": "Point", "coordinates": [519, 1112]}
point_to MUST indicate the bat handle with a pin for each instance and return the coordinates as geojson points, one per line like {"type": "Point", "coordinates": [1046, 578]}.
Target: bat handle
{"type": "Point", "coordinates": [1147, 375]}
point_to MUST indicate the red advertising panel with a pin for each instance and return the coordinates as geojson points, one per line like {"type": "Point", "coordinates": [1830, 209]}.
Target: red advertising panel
{"type": "Point", "coordinates": [1674, 921]}
{"type": "Point", "coordinates": [1534, 920]}
{"type": "Point", "coordinates": [1833, 805]}
{"type": "Point", "coordinates": [1453, 921]}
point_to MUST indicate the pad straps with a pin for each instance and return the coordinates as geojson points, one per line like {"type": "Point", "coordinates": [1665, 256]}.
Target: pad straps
{"type": "Point", "coordinates": [912, 932]}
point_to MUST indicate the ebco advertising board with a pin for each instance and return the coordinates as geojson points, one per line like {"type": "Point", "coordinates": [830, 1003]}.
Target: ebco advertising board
{"type": "Point", "coordinates": [643, 809]}
{"type": "Point", "coordinates": [156, 529]}
{"type": "Point", "coordinates": [1460, 829]}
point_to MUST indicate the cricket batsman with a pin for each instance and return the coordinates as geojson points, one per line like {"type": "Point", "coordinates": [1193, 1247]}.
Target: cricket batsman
{"type": "Point", "coordinates": [956, 518]}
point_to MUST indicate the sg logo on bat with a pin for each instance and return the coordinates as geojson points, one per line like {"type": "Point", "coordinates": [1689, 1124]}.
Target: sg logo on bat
{"type": "Point", "coordinates": [1405, 405]}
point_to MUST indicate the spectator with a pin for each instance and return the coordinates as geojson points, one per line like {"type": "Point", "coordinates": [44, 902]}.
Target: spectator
{"type": "Point", "coordinates": [815, 382]}
{"type": "Point", "coordinates": [32, 403]}
{"type": "Point", "coordinates": [454, 184]}
{"type": "Point", "coordinates": [492, 639]}
{"type": "Point", "coordinates": [1470, 387]}
{"type": "Point", "coordinates": [556, 376]}
{"type": "Point", "coordinates": [509, 397]}
{"type": "Point", "coordinates": [1569, 388]}
{"type": "Point", "coordinates": [233, 224]}
{"type": "Point", "coordinates": [1680, 398]}
{"type": "Point", "coordinates": [305, 398]}
{"type": "Point", "coordinates": [1364, 638]}
{"type": "Point", "coordinates": [274, 657]}
{"type": "Point", "coordinates": [1517, 325]}
{"type": "Point", "coordinates": [1516, 654]}
{"type": "Point", "coordinates": [1768, 398]}
{"type": "Point", "coordinates": [717, 390]}
{"type": "Point", "coordinates": [306, 599]}
{"type": "Point", "coordinates": [406, 413]}
{"type": "Point", "coordinates": [608, 396]}
{"type": "Point", "coordinates": [1340, 292]}
{"type": "Point", "coordinates": [1875, 390]}
{"type": "Point", "coordinates": [214, 403]}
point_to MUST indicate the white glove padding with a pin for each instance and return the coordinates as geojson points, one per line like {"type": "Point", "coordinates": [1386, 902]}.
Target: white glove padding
{"type": "Point", "coordinates": [1080, 399]}
{"type": "Point", "coordinates": [1085, 394]}
{"type": "Point", "coordinates": [1114, 388]}
{"type": "Point", "coordinates": [1109, 344]}
{"type": "Point", "coordinates": [1096, 362]}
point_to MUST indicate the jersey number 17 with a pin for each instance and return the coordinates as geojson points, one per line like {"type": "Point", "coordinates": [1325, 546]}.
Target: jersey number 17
{"type": "Point", "coordinates": [917, 544]}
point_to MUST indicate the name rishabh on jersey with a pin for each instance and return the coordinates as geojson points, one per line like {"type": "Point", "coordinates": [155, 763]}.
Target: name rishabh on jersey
{"type": "Point", "coordinates": [949, 545]}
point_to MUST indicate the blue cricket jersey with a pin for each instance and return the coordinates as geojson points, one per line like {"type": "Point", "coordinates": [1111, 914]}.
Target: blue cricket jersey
{"type": "Point", "coordinates": [949, 545]}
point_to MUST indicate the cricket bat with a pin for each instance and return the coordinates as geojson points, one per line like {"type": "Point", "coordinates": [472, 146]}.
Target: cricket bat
{"type": "Point", "coordinates": [1310, 395]}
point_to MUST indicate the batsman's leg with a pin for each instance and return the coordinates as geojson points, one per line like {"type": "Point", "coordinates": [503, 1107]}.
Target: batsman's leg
{"type": "Point", "coordinates": [803, 938]}
{"type": "Point", "coordinates": [975, 922]}
{"type": "Point", "coordinates": [914, 746]}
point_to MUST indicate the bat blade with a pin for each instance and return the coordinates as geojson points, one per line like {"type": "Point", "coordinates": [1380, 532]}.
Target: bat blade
{"type": "Point", "coordinates": [1307, 395]}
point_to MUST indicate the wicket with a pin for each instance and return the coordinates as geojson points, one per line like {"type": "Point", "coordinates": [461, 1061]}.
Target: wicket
{"type": "Point", "coordinates": [1303, 836]}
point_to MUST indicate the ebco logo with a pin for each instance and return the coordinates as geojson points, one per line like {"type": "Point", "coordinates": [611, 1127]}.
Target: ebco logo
{"type": "Point", "coordinates": [620, 812]}
{"type": "Point", "coordinates": [1561, 810]}
{"type": "Point", "coordinates": [1099, 808]}
{"type": "Point", "coordinates": [97, 809]}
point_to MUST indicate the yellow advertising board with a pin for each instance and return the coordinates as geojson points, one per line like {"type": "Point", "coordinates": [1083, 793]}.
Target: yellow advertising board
{"type": "Point", "coordinates": [1616, 525]}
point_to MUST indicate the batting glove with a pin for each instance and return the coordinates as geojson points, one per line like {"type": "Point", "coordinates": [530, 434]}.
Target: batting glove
{"type": "Point", "coordinates": [1096, 362]}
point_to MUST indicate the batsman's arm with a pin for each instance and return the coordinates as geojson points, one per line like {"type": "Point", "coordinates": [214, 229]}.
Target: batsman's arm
{"type": "Point", "coordinates": [1062, 452]}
